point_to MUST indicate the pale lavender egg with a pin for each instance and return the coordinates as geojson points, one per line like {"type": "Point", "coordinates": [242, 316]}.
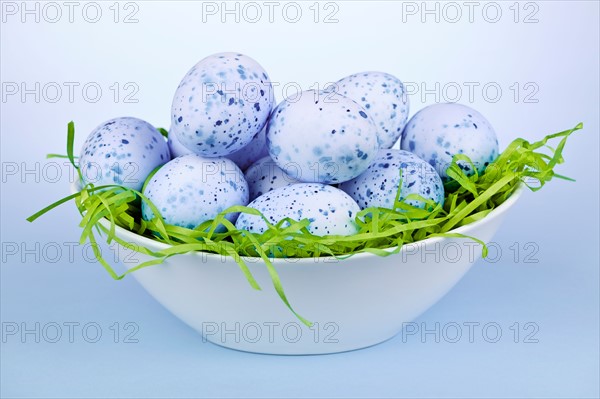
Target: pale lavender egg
{"type": "Point", "coordinates": [329, 210]}
{"type": "Point", "coordinates": [384, 98]}
{"type": "Point", "coordinates": [221, 104]}
{"type": "Point", "coordinates": [264, 175]}
{"type": "Point", "coordinates": [177, 149]}
{"type": "Point", "coordinates": [325, 136]}
{"type": "Point", "coordinates": [393, 169]}
{"type": "Point", "coordinates": [440, 131]}
{"type": "Point", "coordinates": [122, 151]}
{"type": "Point", "coordinates": [190, 190]}
{"type": "Point", "coordinates": [255, 150]}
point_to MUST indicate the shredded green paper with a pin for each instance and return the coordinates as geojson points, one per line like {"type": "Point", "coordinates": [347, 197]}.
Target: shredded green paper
{"type": "Point", "coordinates": [381, 231]}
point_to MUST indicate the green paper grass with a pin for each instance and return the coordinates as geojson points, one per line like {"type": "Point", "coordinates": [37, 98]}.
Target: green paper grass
{"type": "Point", "coordinates": [381, 231]}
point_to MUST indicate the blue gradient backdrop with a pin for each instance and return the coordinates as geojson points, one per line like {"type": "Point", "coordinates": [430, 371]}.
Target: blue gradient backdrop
{"type": "Point", "coordinates": [557, 56]}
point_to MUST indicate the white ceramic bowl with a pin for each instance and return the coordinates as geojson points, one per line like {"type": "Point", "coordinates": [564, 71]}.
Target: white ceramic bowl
{"type": "Point", "coordinates": [355, 302]}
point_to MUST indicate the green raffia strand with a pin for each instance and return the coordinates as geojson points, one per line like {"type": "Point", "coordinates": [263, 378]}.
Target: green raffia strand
{"type": "Point", "coordinates": [163, 131]}
{"type": "Point", "coordinates": [381, 231]}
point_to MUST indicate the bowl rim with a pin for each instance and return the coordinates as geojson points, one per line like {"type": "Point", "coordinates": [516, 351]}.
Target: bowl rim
{"type": "Point", "coordinates": [154, 245]}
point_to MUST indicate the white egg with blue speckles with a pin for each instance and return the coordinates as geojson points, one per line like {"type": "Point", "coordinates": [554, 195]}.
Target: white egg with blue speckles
{"type": "Point", "coordinates": [378, 185]}
{"type": "Point", "coordinates": [327, 137]}
{"type": "Point", "coordinates": [264, 175]}
{"type": "Point", "coordinates": [190, 190]}
{"type": "Point", "coordinates": [243, 158]}
{"type": "Point", "coordinates": [383, 97]}
{"type": "Point", "coordinates": [122, 151]}
{"type": "Point", "coordinates": [440, 131]}
{"type": "Point", "coordinates": [255, 150]}
{"type": "Point", "coordinates": [221, 104]}
{"type": "Point", "coordinates": [177, 149]}
{"type": "Point", "coordinates": [329, 210]}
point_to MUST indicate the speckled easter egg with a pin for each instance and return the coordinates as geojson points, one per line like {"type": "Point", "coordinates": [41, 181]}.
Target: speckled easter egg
{"type": "Point", "coordinates": [122, 151]}
{"type": "Point", "coordinates": [190, 190]}
{"type": "Point", "coordinates": [264, 175]}
{"type": "Point", "coordinates": [221, 104]}
{"type": "Point", "coordinates": [255, 150]}
{"type": "Point", "coordinates": [378, 185]}
{"type": "Point", "coordinates": [327, 137]}
{"type": "Point", "coordinates": [383, 97]}
{"type": "Point", "coordinates": [440, 131]}
{"type": "Point", "coordinates": [177, 149]}
{"type": "Point", "coordinates": [330, 210]}
{"type": "Point", "coordinates": [243, 158]}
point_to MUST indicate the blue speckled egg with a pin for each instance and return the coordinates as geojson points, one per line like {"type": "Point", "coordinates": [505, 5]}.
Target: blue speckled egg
{"type": "Point", "coordinates": [264, 175]}
{"type": "Point", "coordinates": [177, 149]}
{"type": "Point", "coordinates": [378, 185]}
{"type": "Point", "coordinates": [327, 137]}
{"type": "Point", "coordinates": [122, 151]}
{"type": "Point", "coordinates": [221, 104]}
{"type": "Point", "coordinates": [190, 190]}
{"type": "Point", "coordinates": [330, 210]}
{"type": "Point", "coordinates": [440, 131]}
{"type": "Point", "coordinates": [243, 158]}
{"type": "Point", "coordinates": [255, 150]}
{"type": "Point", "coordinates": [383, 97]}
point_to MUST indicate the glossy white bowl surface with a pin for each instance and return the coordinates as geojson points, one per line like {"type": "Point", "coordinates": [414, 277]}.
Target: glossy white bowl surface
{"type": "Point", "coordinates": [354, 303]}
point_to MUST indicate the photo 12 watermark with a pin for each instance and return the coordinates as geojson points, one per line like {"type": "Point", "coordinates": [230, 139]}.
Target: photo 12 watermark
{"type": "Point", "coordinates": [453, 12]}
{"type": "Point", "coordinates": [253, 12]}
{"type": "Point", "coordinates": [69, 92]}
{"type": "Point", "coordinates": [69, 252]}
{"type": "Point", "coordinates": [128, 92]}
{"type": "Point", "coordinates": [56, 12]}
{"type": "Point", "coordinates": [270, 332]}
{"type": "Point", "coordinates": [454, 252]}
{"type": "Point", "coordinates": [470, 92]}
{"type": "Point", "coordinates": [466, 92]}
{"type": "Point", "coordinates": [52, 332]}
{"type": "Point", "coordinates": [453, 332]}
{"type": "Point", "coordinates": [131, 254]}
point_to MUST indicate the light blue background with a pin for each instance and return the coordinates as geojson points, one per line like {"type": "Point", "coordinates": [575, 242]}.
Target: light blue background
{"type": "Point", "coordinates": [560, 293]}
